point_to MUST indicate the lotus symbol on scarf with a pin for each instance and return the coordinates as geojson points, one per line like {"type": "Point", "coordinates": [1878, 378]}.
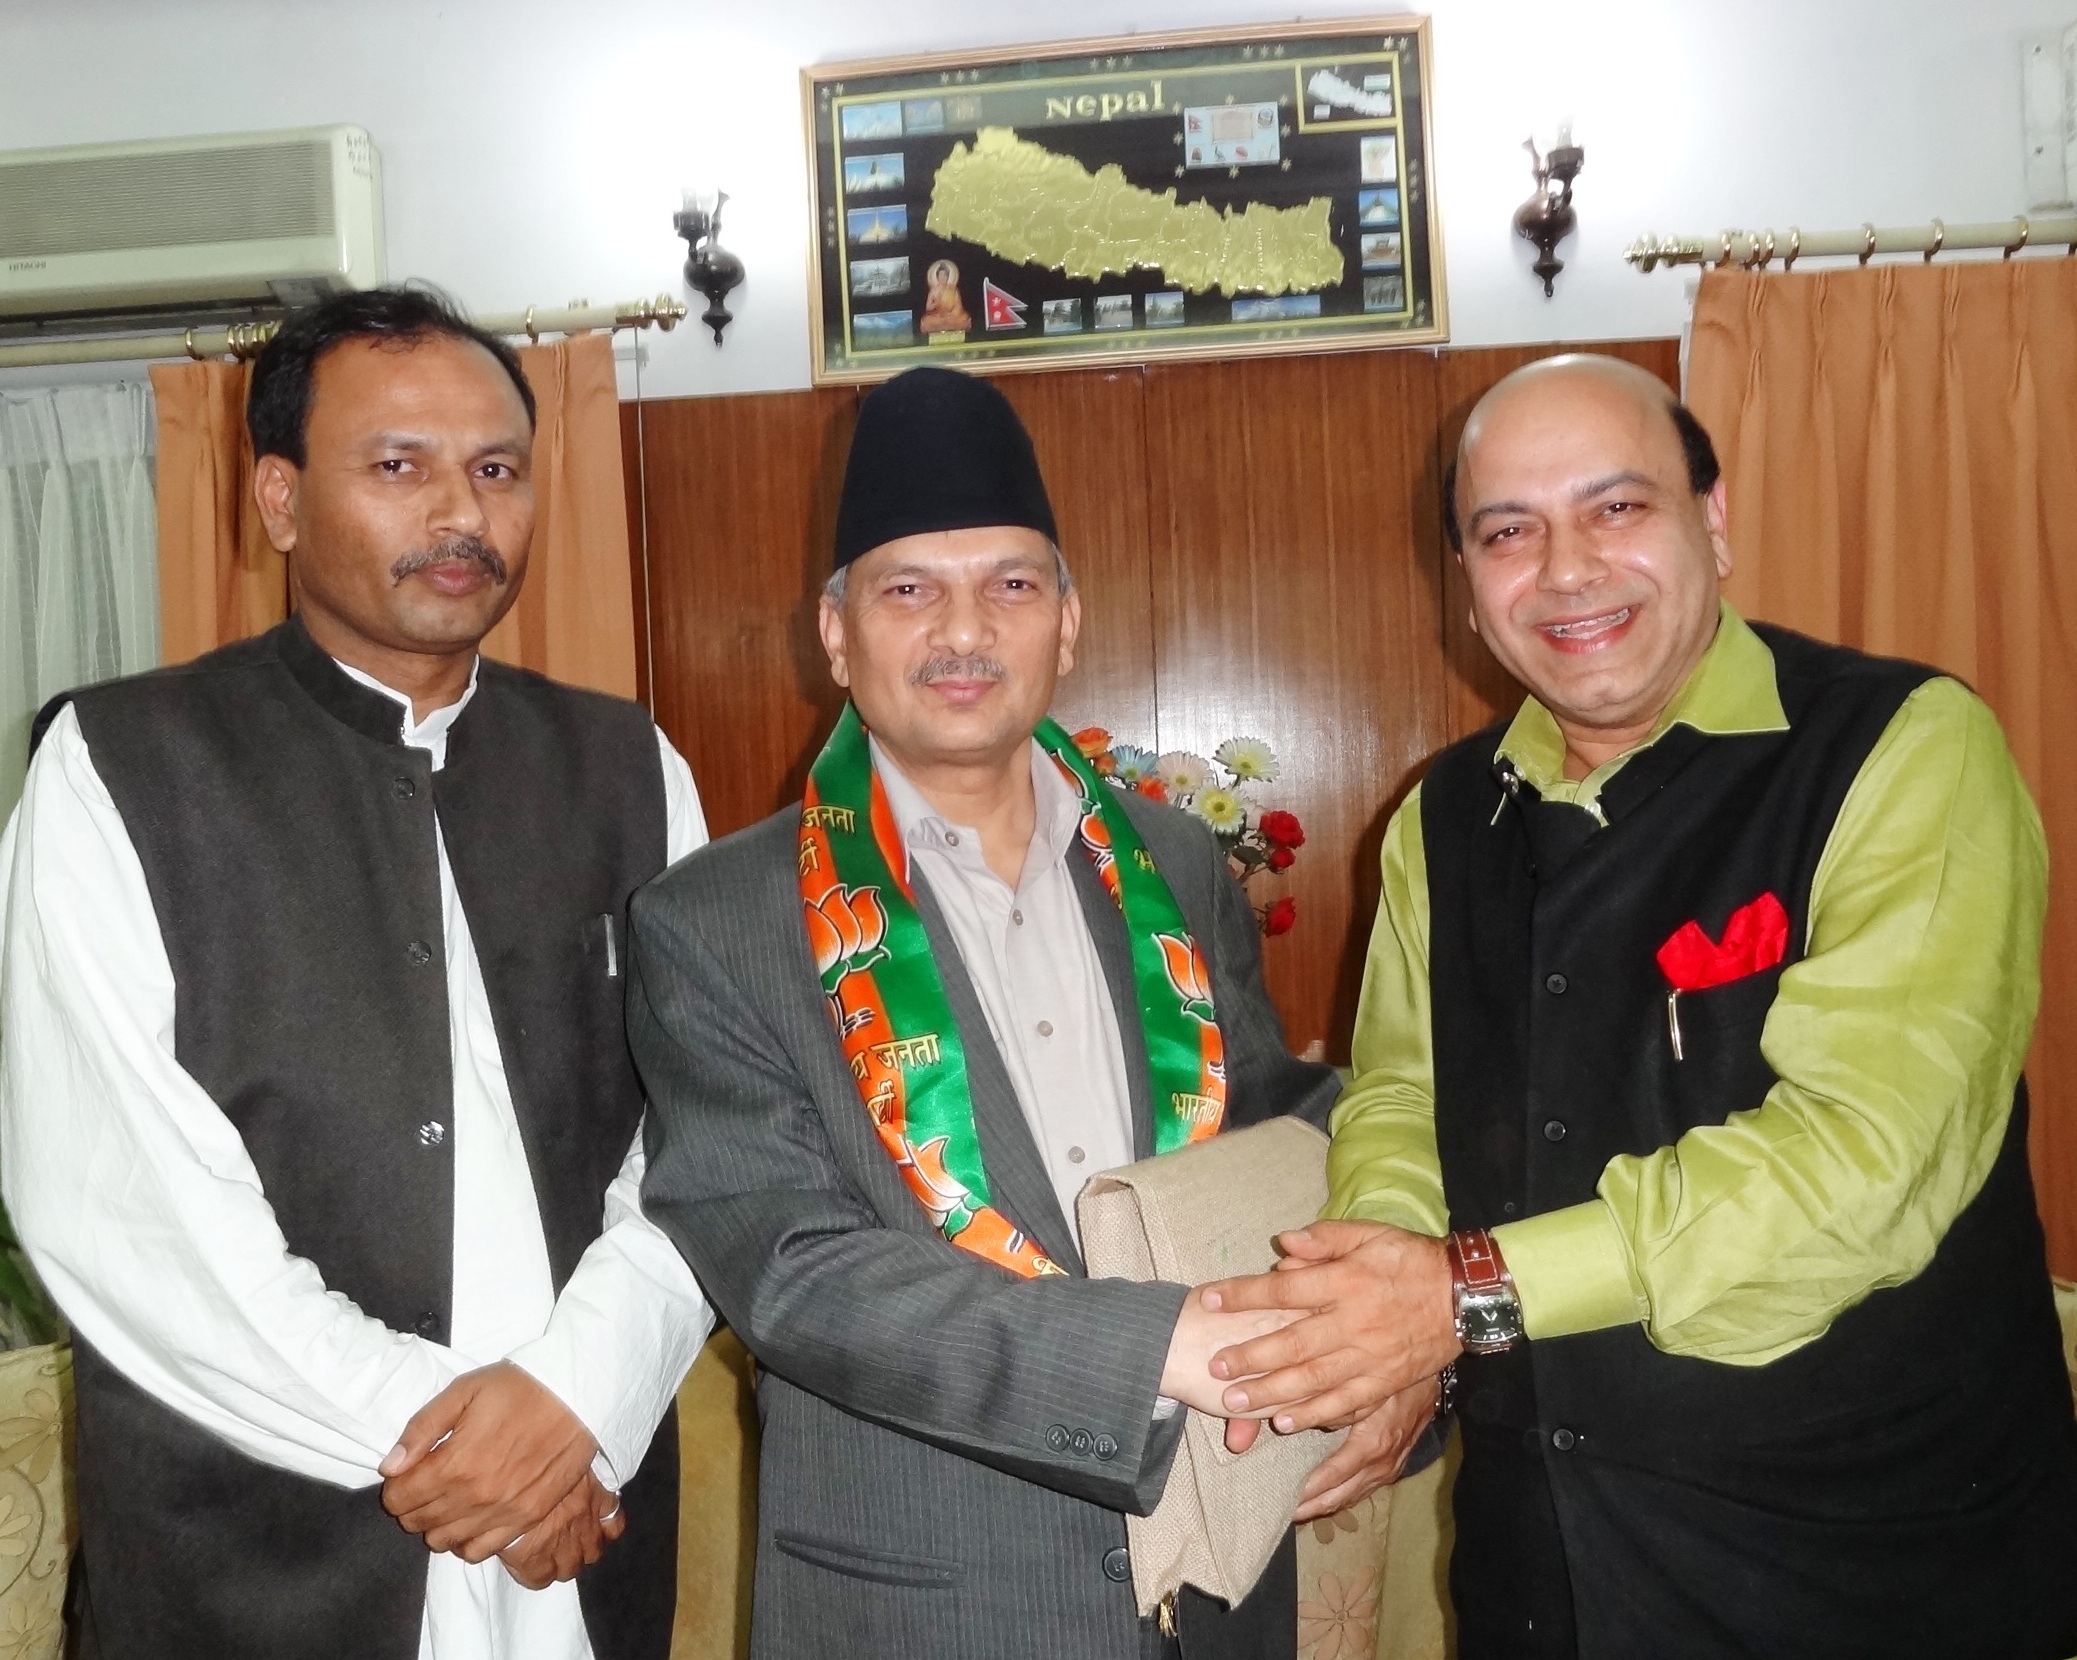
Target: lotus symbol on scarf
{"type": "Point", "coordinates": [1188, 974]}
{"type": "Point", "coordinates": [847, 930]}
{"type": "Point", "coordinates": [941, 1192]}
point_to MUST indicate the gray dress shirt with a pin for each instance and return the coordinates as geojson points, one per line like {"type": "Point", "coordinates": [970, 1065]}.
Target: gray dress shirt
{"type": "Point", "coordinates": [1036, 973]}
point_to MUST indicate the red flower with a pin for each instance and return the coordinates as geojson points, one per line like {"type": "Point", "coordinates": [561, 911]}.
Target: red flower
{"type": "Point", "coordinates": [1092, 741]}
{"type": "Point", "coordinates": [1280, 916]}
{"type": "Point", "coordinates": [1282, 829]}
{"type": "Point", "coordinates": [1152, 788]}
{"type": "Point", "coordinates": [1280, 858]}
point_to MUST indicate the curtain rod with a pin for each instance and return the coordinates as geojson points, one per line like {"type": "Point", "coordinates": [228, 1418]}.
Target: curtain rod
{"type": "Point", "coordinates": [244, 340]}
{"type": "Point", "coordinates": [1756, 249]}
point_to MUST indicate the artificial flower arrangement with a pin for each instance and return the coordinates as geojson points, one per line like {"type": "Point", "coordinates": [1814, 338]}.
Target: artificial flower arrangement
{"type": "Point", "coordinates": [1257, 839]}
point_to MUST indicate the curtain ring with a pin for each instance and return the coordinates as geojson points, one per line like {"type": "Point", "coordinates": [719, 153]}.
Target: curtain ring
{"type": "Point", "coordinates": [1867, 239]}
{"type": "Point", "coordinates": [2026, 230]}
{"type": "Point", "coordinates": [187, 344]}
{"type": "Point", "coordinates": [1795, 252]}
{"type": "Point", "coordinates": [1939, 237]}
{"type": "Point", "coordinates": [1723, 255]}
{"type": "Point", "coordinates": [533, 334]}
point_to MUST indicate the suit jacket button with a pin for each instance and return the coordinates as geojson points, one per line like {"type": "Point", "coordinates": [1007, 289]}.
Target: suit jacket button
{"type": "Point", "coordinates": [426, 1324]}
{"type": "Point", "coordinates": [1083, 1443]}
{"type": "Point", "coordinates": [419, 952]}
{"type": "Point", "coordinates": [1556, 984]}
{"type": "Point", "coordinates": [1106, 1448]}
{"type": "Point", "coordinates": [1564, 1440]}
{"type": "Point", "coordinates": [1057, 1438]}
{"type": "Point", "coordinates": [1554, 1130]}
{"type": "Point", "coordinates": [405, 788]}
{"type": "Point", "coordinates": [1117, 1564]}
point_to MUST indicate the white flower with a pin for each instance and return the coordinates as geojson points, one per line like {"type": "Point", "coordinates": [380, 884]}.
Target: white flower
{"type": "Point", "coordinates": [1221, 809]}
{"type": "Point", "coordinates": [1248, 759]}
{"type": "Point", "coordinates": [1182, 773]}
{"type": "Point", "coordinates": [1135, 765]}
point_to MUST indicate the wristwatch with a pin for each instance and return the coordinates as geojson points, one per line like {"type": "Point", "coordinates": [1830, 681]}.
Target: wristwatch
{"type": "Point", "coordinates": [1489, 1313]}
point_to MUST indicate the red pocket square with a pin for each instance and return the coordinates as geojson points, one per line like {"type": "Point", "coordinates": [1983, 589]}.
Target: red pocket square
{"type": "Point", "coordinates": [1756, 938]}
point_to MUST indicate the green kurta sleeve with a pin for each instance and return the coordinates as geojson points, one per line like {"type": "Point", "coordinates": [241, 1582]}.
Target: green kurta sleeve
{"type": "Point", "coordinates": [1382, 1166]}
{"type": "Point", "coordinates": [1897, 1041]}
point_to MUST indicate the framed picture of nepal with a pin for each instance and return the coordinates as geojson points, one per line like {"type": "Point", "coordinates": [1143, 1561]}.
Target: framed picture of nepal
{"type": "Point", "coordinates": [1214, 193]}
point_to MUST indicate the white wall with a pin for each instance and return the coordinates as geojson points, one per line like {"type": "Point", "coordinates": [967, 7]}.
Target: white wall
{"type": "Point", "coordinates": [534, 152]}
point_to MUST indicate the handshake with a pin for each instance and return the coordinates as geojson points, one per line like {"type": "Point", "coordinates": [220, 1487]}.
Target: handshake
{"type": "Point", "coordinates": [1351, 1329]}
{"type": "Point", "coordinates": [495, 1465]}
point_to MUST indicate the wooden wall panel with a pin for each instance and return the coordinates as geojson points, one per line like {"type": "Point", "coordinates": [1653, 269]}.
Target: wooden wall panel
{"type": "Point", "coordinates": [1260, 549]}
{"type": "Point", "coordinates": [741, 495]}
{"type": "Point", "coordinates": [1089, 432]}
{"type": "Point", "coordinates": [1295, 601]}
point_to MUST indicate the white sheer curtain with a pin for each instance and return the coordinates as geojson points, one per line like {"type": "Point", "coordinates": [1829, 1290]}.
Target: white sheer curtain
{"type": "Point", "coordinates": [79, 575]}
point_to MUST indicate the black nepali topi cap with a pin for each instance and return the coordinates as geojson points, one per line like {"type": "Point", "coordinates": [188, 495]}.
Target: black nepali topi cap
{"type": "Point", "coordinates": [937, 450]}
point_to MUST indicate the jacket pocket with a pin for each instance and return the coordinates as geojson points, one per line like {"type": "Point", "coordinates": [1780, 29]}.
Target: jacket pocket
{"type": "Point", "coordinates": [884, 1567]}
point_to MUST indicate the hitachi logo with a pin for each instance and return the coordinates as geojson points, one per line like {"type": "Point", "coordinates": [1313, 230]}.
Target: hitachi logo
{"type": "Point", "coordinates": [27, 264]}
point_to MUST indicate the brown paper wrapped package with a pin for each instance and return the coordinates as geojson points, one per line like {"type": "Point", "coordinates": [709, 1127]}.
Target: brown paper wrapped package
{"type": "Point", "coordinates": [1208, 1212]}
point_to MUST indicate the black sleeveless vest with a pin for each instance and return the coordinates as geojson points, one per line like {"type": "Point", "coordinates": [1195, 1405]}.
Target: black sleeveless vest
{"type": "Point", "coordinates": [1905, 1485]}
{"type": "Point", "coordinates": [287, 839]}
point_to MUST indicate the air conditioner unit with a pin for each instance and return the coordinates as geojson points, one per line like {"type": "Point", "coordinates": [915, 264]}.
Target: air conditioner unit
{"type": "Point", "coordinates": [266, 218]}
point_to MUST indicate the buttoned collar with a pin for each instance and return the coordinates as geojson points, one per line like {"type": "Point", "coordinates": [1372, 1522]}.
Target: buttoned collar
{"type": "Point", "coordinates": [922, 827]}
{"type": "Point", "coordinates": [429, 734]}
{"type": "Point", "coordinates": [1731, 691]}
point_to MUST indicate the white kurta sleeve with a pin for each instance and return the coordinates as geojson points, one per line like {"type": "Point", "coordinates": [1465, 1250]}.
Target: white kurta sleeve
{"type": "Point", "coordinates": [631, 1319]}
{"type": "Point", "coordinates": [133, 1194]}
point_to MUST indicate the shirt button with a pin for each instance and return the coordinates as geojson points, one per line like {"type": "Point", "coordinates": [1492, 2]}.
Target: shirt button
{"type": "Point", "coordinates": [432, 1132]}
{"type": "Point", "coordinates": [1018, 918]}
{"type": "Point", "coordinates": [1117, 1564]}
{"type": "Point", "coordinates": [404, 788]}
{"type": "Point", "coordinates": [419, 952]}
{"type": "Point", "coordinates": [1075, 1155]}
{"type": "Point", "coordinates": [1555, 984]}
{"type": "Point", "coordinates": [426, 1324]}
{"type": "Point", "coordinates": [1564, 1440]}
{"type": "Point", "coordinates": [1045, 1028]}
{"type": "Point", "coordinates": [1508, 1208]}
{"type": "Point", "coordinates": [951, 838]}
{"type": "Point", "coordinates": [1554, 1130]}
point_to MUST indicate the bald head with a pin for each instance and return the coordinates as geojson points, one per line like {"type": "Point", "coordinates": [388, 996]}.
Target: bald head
{"type": "Point", "coordinates": [1585, 507]}
{"type": "Point", "coordinates": [1614, 378]}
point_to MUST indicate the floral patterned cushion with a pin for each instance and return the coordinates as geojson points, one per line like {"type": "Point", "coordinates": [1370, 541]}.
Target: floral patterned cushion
{"type": "Point", "coordinates": [36, 1512]}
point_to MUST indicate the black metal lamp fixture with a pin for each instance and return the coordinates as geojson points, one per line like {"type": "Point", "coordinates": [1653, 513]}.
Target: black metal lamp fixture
{"type": "Point", "coordinates": [1546, 218]}
{"type": "Point", "coordinates": [710, 269]}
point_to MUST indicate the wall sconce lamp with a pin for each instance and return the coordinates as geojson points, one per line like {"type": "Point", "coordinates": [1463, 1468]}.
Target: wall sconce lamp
{"type": "Point", "coordinates": [710, 269]}
{"type": "Point", "coordinates": [1546, 218]}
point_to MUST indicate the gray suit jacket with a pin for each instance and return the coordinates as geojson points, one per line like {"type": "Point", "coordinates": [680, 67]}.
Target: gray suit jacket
{"type": "Point", "coordinates": [948, 1451]}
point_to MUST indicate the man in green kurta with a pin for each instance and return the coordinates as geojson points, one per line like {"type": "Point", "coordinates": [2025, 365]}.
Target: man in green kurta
{"type": "Point", "coordinates": [1687, 1139]}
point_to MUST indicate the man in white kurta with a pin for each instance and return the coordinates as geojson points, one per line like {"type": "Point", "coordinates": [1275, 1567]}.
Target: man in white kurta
{"type": "Point", "coordinates": [142, 1210]}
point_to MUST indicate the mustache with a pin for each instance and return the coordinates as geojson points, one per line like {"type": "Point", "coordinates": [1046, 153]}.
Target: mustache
{"type": "Point", "coordinates": [452, 550]}
{"type": "Point", "coordinates": [957, 668]}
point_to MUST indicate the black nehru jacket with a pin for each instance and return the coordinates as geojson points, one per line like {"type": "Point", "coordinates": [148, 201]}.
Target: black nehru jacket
{"type": "Point", "coordinates": [937, 450]}
{"type": "Point", "coordinates": [1903, 1486]}
{"type": "Point", "coordinates": [287, 839]}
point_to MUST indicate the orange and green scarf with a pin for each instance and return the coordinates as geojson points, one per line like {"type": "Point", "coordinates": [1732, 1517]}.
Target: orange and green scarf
{"type": "Point", "coordinates": [895, 1021]}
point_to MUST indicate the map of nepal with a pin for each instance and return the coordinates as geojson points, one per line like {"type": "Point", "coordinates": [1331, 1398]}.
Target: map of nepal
{"type": "Point", "coordinates": [1025, 203]}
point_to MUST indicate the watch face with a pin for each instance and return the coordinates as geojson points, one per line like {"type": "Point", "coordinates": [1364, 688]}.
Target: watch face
{"type": "Point", "coordinates": [1489, 1319]}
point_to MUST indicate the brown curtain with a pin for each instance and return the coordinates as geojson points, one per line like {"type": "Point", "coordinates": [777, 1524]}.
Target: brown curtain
{"type": "Point", "coordinates": [1901, 449]}
{"type": "Point", "coordinates": [219, 579]}
{"type": "Point", "coordinates": [575, 620]}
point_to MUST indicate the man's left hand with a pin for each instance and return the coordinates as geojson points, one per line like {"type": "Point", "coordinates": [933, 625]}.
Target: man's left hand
{"type": "Point", "coordinates": [1373, 1456]}
{"type": "Point", "coordinates": [1383, 1320]}
{"type": "Point", "coordinates": [485, 1460]}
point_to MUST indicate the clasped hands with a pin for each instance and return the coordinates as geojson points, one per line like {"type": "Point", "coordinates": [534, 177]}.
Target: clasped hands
{"type": "Point", "coordinates": [1351, 1329]}
{"type": "Point", "coordinates": [496, 1465]}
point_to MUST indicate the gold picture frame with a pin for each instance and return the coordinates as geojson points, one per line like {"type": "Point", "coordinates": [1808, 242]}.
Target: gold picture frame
{"type": "Point", "coordinates": [1214, 193]}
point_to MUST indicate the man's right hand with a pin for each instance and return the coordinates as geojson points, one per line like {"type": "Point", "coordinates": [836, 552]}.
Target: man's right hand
{"type": "Point", "coordinates": [1199, 1334]}
{"type": "Point", "coordinates": [571, 1536]}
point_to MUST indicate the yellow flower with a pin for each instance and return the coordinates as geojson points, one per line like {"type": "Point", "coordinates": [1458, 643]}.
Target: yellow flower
{"type": "Point", "coordinates": [1249, 759]}
{"type": "Point", "coordinates": [1223, 810]}
{"type": "Point", "coordinates": [1339, 1626]}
